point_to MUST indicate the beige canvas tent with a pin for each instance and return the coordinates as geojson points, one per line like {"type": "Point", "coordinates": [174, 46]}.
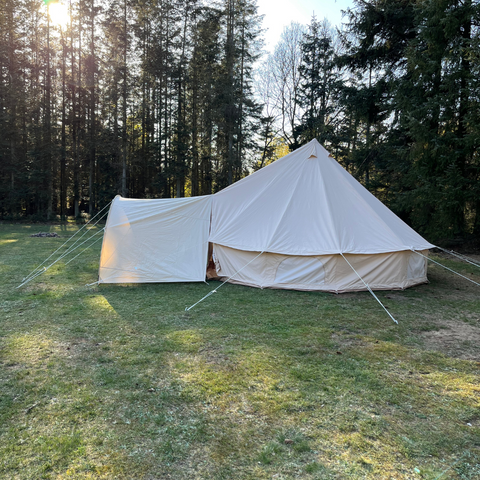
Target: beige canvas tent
{"type": "Point", "coordinates": [164, 240]}
{"type": "Point", "coordinates": [302, 223]}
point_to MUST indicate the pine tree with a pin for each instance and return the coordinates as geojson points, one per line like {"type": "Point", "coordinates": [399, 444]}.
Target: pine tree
{"type": "Point", "coordinates": [439, 98]}
{"type": "Point", "coordinates": [375, 42]}
{"type": "Point", "coordinates": [320, 84]}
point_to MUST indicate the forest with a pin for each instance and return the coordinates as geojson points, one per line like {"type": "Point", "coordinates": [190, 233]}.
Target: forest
{"type": "Point", "coordinates": [173, 98]}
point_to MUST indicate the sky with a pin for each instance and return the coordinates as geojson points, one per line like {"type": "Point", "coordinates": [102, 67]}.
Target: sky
{"type": "Point", "coordinates": [280, 13]}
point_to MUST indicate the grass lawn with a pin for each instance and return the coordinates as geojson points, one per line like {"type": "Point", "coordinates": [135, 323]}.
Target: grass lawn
{"type": "Point", "coordinates": [120, 382]}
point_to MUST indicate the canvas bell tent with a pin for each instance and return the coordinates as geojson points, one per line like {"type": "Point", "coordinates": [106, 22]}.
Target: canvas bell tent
{"type": "Point", "coordinates": [301, 223]}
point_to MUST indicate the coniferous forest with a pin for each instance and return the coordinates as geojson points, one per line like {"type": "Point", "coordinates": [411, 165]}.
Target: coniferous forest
{"type": "Point", "coordinates": [172, 98]}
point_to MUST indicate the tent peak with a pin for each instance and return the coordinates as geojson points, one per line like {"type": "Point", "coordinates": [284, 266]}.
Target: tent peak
{"type": "Point", "coordinates": [312, 153]}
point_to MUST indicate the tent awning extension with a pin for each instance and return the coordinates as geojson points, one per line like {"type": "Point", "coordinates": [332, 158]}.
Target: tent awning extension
{"type": "Point", "coordinates": [162, 240]}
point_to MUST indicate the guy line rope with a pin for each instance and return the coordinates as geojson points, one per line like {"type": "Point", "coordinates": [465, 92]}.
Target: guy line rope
{"type": "Point", "coordinates": [369, 289]}
{"type": "Point", "coordinates": [39, 270]}
{"type": "Point", "coordinates": [216, 289]}
{"type": "Point", "coordinates": [460, 256]}
{"type": "Point", "coordinates": [453, 271]}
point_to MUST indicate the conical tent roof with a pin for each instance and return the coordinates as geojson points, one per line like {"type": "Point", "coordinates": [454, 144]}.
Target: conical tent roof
{"type": "Point", "coordinates": [306, 204]}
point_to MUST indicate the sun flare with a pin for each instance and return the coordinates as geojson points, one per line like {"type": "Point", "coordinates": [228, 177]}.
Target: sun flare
{"type": "Point", "coordinates": [59, 14]}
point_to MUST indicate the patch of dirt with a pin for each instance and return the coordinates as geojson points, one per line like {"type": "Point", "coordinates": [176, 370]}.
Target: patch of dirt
{"type": "Point", "coordinates": [449, 286]}
{"type": "Point", "coordinates": [455, 339]}
{"type": "Point", "coordinates": [400, 297]}
{"type": "Point", "coordinates": [12, 366]}
{"type": "Point", "coordinates": [45, 234]}
{"type": "Point", "coordinates": [215, 357]}
{"type": "Point", "coordinates": [37, 288]}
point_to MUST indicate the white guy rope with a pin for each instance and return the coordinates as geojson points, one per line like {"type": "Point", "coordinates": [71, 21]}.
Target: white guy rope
{"type": "Point", "coordinates": [369, 289]}
{"type": "Point", "coordinates": [70, 238]}
{"type": "Point", "coordinates": [216, 289]}
{"type": "Point", "coordinates": [63, 255]}
{"type": "Point", "coordinates": [93, 243]}
{"type": "Point", "coordinates": [453, 271]}
{"type": "Point", "coordinates": [460, 256]}
{"type": "Point", "coordinates": [69, 250]}
{"type": "Point", "coordinates": [58, 259]}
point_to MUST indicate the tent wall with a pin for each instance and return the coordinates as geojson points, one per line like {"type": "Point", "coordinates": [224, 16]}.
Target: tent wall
{"type": "Point", "coordinates": [329, 273]}
{"type": "Point", "coordinates": [164, 240]}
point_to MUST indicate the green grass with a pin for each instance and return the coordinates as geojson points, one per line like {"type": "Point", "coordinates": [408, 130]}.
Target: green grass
{"type": "Point", "coordinates": [121, 382]}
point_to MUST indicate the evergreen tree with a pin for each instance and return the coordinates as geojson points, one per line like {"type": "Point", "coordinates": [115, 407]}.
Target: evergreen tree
{"type": "Point", "coordinates": [144, 98]}
{"type": "Point", "coordinates": [375, 42]}
{"type": "Point", "coordinates": [439, 100]}
{"type": "Point", "coordinates": [320, 85]}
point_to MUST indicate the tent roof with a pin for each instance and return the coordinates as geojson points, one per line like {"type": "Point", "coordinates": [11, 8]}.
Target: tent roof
{"type": "Point", "coordinates": [306, 204]}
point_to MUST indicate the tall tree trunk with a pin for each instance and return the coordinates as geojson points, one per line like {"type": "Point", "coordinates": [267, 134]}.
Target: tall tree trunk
{"type": "Point", "coordinates": [464, 152]}
{"type": "Point", "coordinates": [76, 109]}
{"type": "Point", "coordinates": [124, 104]}
{"type": "Point", "coordinates": [230, 107]}
{"type": "Point", "coordinates": [63, 151]}
{"type": "Point", "coordinates": [48, 128]}
{"type": "Point", "coordinates": [240, 104]}
{"type": "Point", "coordinates": [194, 121]}
{"type": "Point", "coordinates": [11, 104]}
{"type": "Point", "coordinates": [92, 136]}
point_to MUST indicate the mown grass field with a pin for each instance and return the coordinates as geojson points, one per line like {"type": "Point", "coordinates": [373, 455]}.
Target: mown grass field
{"type": "Point", "coordinates": [120, 382]}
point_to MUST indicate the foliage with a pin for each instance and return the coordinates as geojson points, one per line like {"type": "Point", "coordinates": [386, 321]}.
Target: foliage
{"type": "Point", "coordinates": [162, 99]}
{"type": "Point", "coordinates": [136, 98]}
{"type": "Point", "coordinates": [320, 85]}
{"type": "Point", "coordinates": [420, 146]}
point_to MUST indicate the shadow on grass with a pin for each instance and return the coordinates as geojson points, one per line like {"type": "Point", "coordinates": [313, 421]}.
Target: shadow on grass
{"type": "Point", "coordinates": [120, 381]}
